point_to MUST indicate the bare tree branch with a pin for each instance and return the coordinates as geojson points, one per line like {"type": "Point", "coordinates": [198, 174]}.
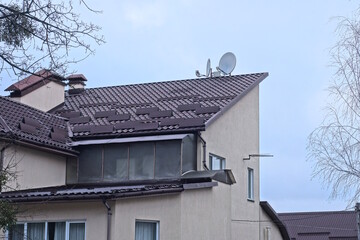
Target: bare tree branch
{"type": "Point", "coordinates": [335, 145]}
{"type": "Point", "coordinates": [36, 34]}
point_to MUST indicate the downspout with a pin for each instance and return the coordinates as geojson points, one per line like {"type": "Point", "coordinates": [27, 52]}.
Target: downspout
{"type": "Point", "coordinates": [204, 151]}
{"type": "Point", "coordinates": [109, 213]}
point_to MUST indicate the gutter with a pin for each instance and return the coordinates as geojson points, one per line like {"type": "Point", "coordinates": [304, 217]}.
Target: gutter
{"type": "Point", "coordinates": [43, 148]}
{"type": "Point", "coordinates": [19, 198]}
{"type": "Point", "coordinates": [109, 213]}
{"type": "Point", "coordinates": [204, 151]}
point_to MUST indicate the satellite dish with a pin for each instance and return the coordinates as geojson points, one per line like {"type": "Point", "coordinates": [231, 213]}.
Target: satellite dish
{"type": "Point", "coordinates": [227, 63]}
{"type": "Point", "coordinates": [208, 68]}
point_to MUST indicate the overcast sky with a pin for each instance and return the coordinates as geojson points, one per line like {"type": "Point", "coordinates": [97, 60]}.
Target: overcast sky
{"type": "Point", "coordinates": [165, 40]}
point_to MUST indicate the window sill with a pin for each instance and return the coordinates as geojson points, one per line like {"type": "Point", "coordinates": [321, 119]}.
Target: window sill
{"type": "Point", "coordinates": [250, 200]}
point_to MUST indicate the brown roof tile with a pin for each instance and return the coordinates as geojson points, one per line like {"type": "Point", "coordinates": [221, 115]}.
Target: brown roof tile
{"type": "Point", "coordinates": [28, 124]}
{"type": "Point", "coordinates": [150, 108]}
{"type": "Point", "coordinates": [320, 225]}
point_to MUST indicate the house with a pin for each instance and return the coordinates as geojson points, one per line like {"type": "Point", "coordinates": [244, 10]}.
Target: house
{"type": "Point", "coordinates": [332, 225]}
{"type": "Point", "coordinates": [161, 160]}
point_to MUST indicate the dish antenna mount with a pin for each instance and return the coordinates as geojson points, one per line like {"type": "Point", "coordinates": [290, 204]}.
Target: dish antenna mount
{"type": "Point", "coordinates": [227, 64]}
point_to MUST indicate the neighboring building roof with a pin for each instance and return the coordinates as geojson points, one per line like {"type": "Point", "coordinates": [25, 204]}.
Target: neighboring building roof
{"type": "Point", "coordinates": [33, 82]}
{"type": "Point", "coordinates": [321, 225]}
{"type": "Point", "coordinates": [20, 122]}
{"type": "Point", "coordinates": [275, 218]}
{"type": "Point", "coordinates": [154, 108]}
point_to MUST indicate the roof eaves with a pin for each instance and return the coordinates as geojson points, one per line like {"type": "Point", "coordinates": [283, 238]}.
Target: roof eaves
{"type": "Point", "coordinates": [37, 145]}
{"type": "Point", "coordinates": [274, 216]}
{"type": "Point", "coordinates": [235, 100]}
{"type": "Point", "coordinates": [140, 133]}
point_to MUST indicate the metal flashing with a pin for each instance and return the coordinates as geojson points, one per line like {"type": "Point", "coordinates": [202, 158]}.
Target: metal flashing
{"type": "Point", "coordinates": [105, 113]}
{"type": "Point", "coordinates": [79, 120]}
{"type": "Point", "coordinates": [119, 117]}
{"type": "Point", "coordinates": [130, 139]}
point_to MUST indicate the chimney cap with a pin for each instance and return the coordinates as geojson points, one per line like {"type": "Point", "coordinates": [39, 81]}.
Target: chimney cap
{"type": "Point", "coordinates": [76, 78]}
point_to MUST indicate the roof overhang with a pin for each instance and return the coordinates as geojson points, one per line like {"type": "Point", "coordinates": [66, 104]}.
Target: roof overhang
{"type": "Point", "coordinates": [130, 139]}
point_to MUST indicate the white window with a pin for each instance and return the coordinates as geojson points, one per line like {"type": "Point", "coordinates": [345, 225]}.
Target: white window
{"type": "Point", "coordinates": [216, 162]}
{"type": "Point", "coordinates": [250, 184]}
{"type": "Point", "coordinates": [47, 231]}
{"type": "Point", "coordinates": [146, 230]}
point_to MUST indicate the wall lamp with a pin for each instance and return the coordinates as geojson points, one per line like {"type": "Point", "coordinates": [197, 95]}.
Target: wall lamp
{"type": "Point", "coordinates": [258, 155]}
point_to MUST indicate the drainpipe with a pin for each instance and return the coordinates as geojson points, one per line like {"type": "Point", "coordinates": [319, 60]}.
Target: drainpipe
{"type": "Point", "coordinates": [357, 211]}
{"type": "Point", "coordinates": [108, 218]}
{"type": "Point", "coordinates": [204, 151]}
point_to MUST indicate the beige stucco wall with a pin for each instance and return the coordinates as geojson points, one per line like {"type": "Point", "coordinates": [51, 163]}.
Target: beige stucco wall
{"type": "Point", "coordinates": [266, 222]}
{"type": "Point", "coordinates": [234, 136]}
{"type": "Point", "coordinates": [165, 208]}
{"type": "Point", "coordinates": [221, 212]}
{"type": "Point", "coordinates": [44, 98]}
{"type": "Point", "coordinates": [34, 168]}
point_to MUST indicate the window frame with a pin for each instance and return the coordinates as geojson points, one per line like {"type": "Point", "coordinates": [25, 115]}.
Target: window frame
{"type": "Point", "coordinates": [177, 143]}
{"type": "Point", "coordinates": [222, 161]}
{"type": "Point", "coordinates": [157, 222]}
{"type": "Point", "coordinates": [250, 185]}
{"type": "Point", "coordinates": [67, 228]}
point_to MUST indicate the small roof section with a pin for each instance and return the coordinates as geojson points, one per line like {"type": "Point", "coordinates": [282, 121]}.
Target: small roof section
{"type": "Point", "coordinates": [34, 81]}
{"type": "Point", "coordinates": [321, 225]}
{"type": "Point", "coordinates": [25, 124]}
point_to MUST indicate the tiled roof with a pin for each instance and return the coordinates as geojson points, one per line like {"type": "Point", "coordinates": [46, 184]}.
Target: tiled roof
{"type": "Point", "coordinates": [321, 225]}
{"type": "Point", "coordinates": [79, 193]}
{"type": "Point", "coordinates": [27, 124]}
{"type": "Point", "coordinates": [153, 108]}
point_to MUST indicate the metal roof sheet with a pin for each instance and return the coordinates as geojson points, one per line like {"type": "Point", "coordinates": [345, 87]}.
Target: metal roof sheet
{"type": "Point", "coordinates": [321, 225]}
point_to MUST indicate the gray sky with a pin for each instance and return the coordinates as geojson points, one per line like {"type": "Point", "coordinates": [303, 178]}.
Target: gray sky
{"type": "Point", "coordinates": [165, 40]}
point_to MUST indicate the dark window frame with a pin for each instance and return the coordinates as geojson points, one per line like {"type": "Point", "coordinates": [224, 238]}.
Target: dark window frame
{"type": "Point", "coordinates": [222, 161]}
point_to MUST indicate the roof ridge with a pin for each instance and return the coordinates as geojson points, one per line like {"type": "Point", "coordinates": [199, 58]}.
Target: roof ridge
{"type": "Point", "coordinates": [176, 80]}
{"type": "Point", "coordinates": [316, 212]}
